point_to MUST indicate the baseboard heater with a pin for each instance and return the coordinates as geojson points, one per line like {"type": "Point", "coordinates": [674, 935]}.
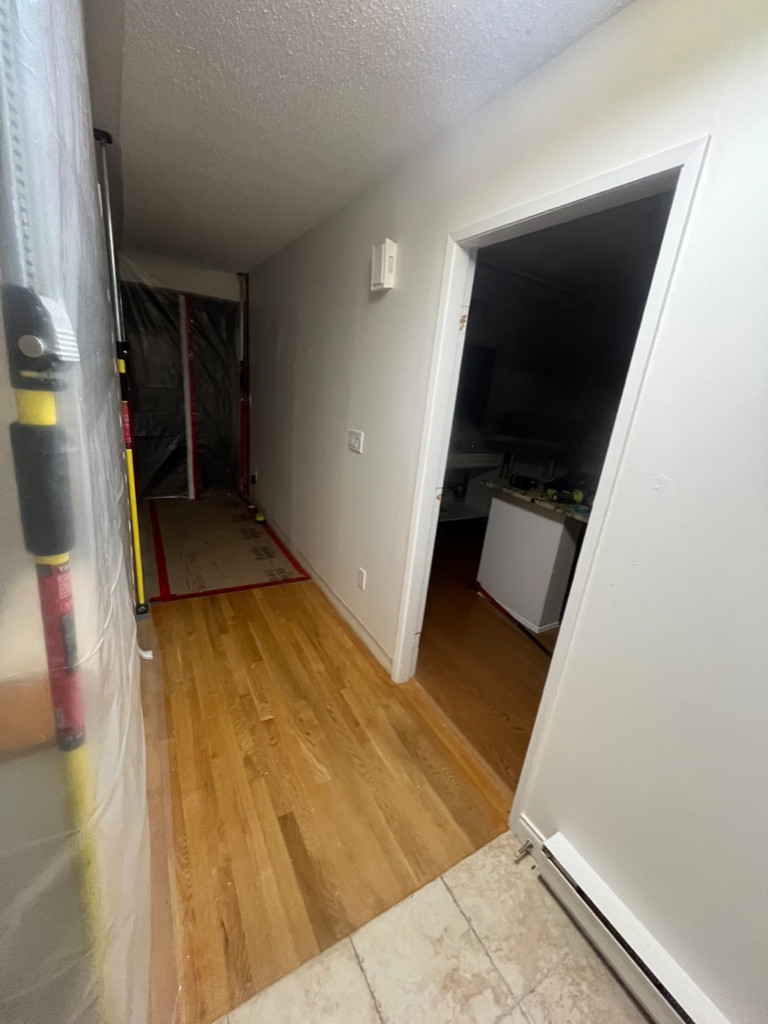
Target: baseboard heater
{"type": "Point", "coordinates": [653, 976]}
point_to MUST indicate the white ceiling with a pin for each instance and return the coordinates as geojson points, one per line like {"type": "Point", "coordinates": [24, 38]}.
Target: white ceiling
{"type": "Point", "coordinates": [244, 122]}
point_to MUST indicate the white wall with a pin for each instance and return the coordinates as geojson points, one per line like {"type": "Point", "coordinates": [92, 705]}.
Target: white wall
{"type": "Point", "coordinates": [104, 23]}
{"type": "Point", "coordinates": [179, 277]}
{"type": "Point", "coordinates": [654, 762]}
{"type": "Point", "coordinates": [329, 355]}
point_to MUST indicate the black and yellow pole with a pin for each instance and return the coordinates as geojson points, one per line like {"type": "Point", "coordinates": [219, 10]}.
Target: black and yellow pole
{"type": "Point", "coordinates": [39, 352]}
{"type": "Point", "coordinates": [38, 137]}
{"type": "Point", "coordinates": [130, 476]}
{"type": "Point", "coordinates": [104, 139]}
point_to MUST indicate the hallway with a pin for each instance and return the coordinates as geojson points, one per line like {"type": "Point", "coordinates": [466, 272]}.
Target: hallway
{"type": "Point", "coordinates": [283, 287]}
{"type": "Point", "coordinates": [209, 546]}
{"type": "Point", "coordinates": [309, 793]}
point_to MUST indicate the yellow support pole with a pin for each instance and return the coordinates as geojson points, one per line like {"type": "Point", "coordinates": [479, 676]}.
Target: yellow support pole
{"type": "Point", "coordinates": [38, 409]}
{"type": "Point", "coordinates": [104, 139]}
{"type": "Point", "coordinates": [130, 474]}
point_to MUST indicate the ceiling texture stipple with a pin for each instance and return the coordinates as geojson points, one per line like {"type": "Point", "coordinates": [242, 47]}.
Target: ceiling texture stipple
{"type": "Point", "coordinates": [245, 122]}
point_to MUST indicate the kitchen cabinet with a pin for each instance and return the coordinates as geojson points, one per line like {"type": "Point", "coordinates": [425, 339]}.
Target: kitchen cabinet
{"type": "Point", "coordinates": [527, 558]}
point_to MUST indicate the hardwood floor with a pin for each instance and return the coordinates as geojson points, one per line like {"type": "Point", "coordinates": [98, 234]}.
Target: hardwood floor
{"type": "Point", "coordinates": [309, 792]}
{"type": "Point", "coordinates": [163, 961]}
{"type": "Point", "coordinates": [485, 673]}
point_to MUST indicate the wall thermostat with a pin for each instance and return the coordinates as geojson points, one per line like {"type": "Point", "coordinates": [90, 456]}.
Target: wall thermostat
{"type": "Point", "coordinates": [383, 260]}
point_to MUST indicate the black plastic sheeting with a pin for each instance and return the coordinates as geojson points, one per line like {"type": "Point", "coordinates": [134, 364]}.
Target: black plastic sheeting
{"type": "Point", "coordinates": [214, 324]}
{"type": "Point", "coordinates": [153, 332]}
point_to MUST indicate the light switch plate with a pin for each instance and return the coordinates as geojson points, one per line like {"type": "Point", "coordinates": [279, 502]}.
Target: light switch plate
{"type": "Point", "coordinates": [362, 578]}
{"type": "Point", "coordinates": [383, 262]}
{"type": "Point", "coordinates": [355, 441]}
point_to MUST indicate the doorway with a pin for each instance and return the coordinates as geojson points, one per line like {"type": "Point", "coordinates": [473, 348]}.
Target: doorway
{"type": "Point", "coordinates": [186, 352]}
{"type": "Point", "coordinates": [185, 421]}
{"type": "Point", "coordinates": [550, 333]}
{"type": "Point", "coordinates": [675, 172]}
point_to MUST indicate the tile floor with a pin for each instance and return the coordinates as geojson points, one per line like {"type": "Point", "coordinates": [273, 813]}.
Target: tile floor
{"type": "Point", "coordinates": [483, 944]}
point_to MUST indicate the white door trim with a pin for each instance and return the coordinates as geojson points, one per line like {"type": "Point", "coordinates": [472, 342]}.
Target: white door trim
{"type": "Point", "coordinates": [618, 186]}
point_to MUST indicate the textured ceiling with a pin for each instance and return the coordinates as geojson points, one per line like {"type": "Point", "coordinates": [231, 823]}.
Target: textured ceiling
{"type": "Point", "coordinates": [245, 122]}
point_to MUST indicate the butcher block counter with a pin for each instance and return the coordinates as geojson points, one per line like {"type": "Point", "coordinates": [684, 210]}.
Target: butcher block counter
{"type": "Point", "coordinates": [578, 512]}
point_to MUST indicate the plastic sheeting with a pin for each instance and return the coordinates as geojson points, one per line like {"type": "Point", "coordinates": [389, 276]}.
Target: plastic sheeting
{"type": "Point", "coordinates": [184, 371]}
{"type": "Point", "coordinates": [74, 890]}
{"type": "Point", "coordinates": [152, 327]}
{"type": "Point", "coordinates": [213, 329]}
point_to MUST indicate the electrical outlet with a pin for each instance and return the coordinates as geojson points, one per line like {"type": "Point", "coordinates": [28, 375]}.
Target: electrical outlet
{"type": "Point", "coordinates": [362, 578]}
{"type": "Point", "coordinates": [355, 441]}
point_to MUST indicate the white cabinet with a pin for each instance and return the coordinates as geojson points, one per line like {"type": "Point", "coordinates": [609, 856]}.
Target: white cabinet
{"type": "Point", "coordinates": [526, 562]}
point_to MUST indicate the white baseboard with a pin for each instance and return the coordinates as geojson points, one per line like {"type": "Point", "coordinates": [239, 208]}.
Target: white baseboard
{"type": "Point", "coordinates": [370, 641]}
{"type": "Point", "coordinates": [601, 938]}
{"type": "Point", "coordinates": [521, 618]}
{"type": "Point", "coordinates": [650, 972]}
{"type": "Point", "coordinates": [360, 630]}
{"type": "Point", "coordinates": [545, 628]}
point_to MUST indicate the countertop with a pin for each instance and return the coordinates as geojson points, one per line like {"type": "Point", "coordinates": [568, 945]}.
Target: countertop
{"type": "Point", "coordinates": [578, 512]}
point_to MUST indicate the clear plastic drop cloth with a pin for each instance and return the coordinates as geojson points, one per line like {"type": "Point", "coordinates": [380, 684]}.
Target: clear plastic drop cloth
{"type": "Point", "coordinates": [74, 887]}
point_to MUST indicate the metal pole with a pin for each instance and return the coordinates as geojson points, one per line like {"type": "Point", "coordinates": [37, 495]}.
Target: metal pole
{"type": "Point", "coordinates": [39, 355]}
{"type": "Point", "coordinates": [245, 386]}
{"type": "Point", "coordinates": [104, 139]}
{"type": "Point", "coordinates": [43, 356]}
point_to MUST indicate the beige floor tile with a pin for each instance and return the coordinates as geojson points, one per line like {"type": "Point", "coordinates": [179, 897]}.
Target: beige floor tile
{"type": "Point", "coordinates": [516, 1017]}
{"type": "Point", "coordinates": [331, 989]}
{"type": "Point", "coordinates": [519, 922]}
{"type": "Point", "coordinates": [424, 963]}
{"type": "Point", "coordinates": [582, 990]}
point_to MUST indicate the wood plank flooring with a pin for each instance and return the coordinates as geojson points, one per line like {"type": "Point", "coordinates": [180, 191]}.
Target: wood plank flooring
{"type": "Point", "coordinates": [309, 792]}
{"type": "Point", "coordinates": [163, 961]}
{"type": "Point", "coordinates": [483, 671]}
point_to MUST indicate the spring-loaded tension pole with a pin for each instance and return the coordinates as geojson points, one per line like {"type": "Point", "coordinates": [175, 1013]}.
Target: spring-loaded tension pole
{"type": "Point", "coordinates": [42, 351]}
{"type": "Point", "coordinates": [104, 139]}
{"type": "Point", "coordinates": [41, 347]}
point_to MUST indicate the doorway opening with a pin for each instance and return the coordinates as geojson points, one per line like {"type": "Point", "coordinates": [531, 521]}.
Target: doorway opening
{"type": "Point", "coordinates": [186, 365]}
{"type": "Point", "coordinates": [551, 327]}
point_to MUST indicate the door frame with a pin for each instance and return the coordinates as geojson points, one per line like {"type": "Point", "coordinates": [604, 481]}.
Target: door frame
{"type": "Point", "coordinates": [624, 184]}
